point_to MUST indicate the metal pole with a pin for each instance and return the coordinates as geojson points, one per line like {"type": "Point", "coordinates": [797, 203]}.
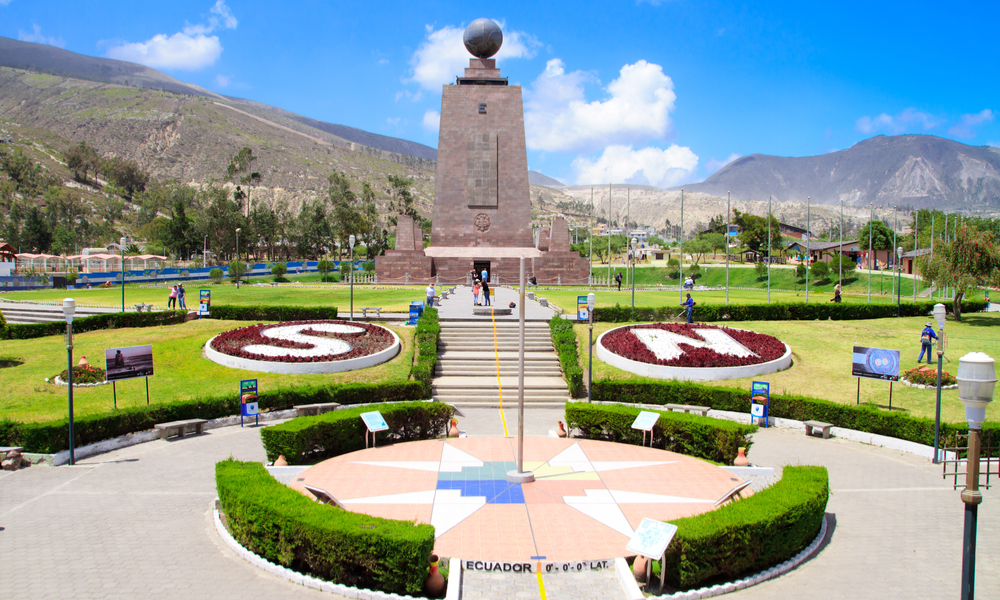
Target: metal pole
{"type": "Point", "coordinates": [807, 249]}
{"type": "Point", "coordinates": [590, 234]}
{"type": "Point", "coordinates": [590, 355]}
{"type": "Point", "coordinates": [768, 249]}
{"type": "Point", "coordinates": [932, 245]}
{"type": "Point", "coordinates": [871, 213]}
{"type": "Point", "coordinates": [238, 265]}
{"type": "Point", "coordinates": [944, 292]}
{"type": "Point", "coordinates": [520, 376]}
{"type": "Point", "coordinates": [123, 273]}
{"type": "Point", "coordinates": [628, 235]}
{"type": "Point", "coordinates": [69, 382]}
{"type": "Point", "coordinates": [204, 254]}
{"type": "Point", "coordinates": [840, 251]}
{"type": "Point", "coordinates": [680, 270]}
{"type": "Point", "coordinates": [937, 408]}
{"type": "Point", "coordinates": [609, 233]}
{"type": "Point", "coordinates": [899, 256]}
{"type": "Point", "coordinates": [971, 496]}
{"type": "Point", "coordinates": [728, 201]}
{"type": "Point", "coordinates": [916, 218]}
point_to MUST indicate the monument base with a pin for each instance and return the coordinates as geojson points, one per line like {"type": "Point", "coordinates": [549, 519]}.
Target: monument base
{"type": "Point", "coordinates": [404, 267]}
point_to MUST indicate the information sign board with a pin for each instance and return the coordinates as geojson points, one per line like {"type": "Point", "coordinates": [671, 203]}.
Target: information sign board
{"type": "Point", "coordinates": [127, 363]}
{"type": "Point", "coordinates": [875, 363]}
{"type": "Point", "coordinates": [760, 401]}
{"type": "Point", "coordinates": [733, 230]}
{"type": "Point", "coordinates": [205, 302]}
{"type": "Point", "coordinates": [248, 401]}
{"type": "Point", "coordinates": [374, 421]}
{"type": "Point", "coordinates": [651, 538]}
{"type": "Point", "coordinates": [645, 420]}
{"type": "Point", "coordinates": [582, 309]}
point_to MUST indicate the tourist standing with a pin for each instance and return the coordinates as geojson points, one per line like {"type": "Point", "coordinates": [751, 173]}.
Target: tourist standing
{"type": "Point", "coordinates": [486, 293]}
{"type": "Point", "coordinates": [430, 296]}
{"type": "Point", "coordinates": [689, 303]}
{"type": "Point", "coordinates": [180, 296]}
{"type": "Point", "coordinates": [925, 342]}
{"type": "Point", "coordinates": [475, 292]}
{"type": "Point", "coordinates": [618, 280]}
{"type": "Point", "coordinates": [484, 276]}
{"type": "Point", "coordinates": [172, 298]}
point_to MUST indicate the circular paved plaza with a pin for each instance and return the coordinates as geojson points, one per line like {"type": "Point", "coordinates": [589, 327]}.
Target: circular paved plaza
{"type": "Point", "coordinates": [137, 523]}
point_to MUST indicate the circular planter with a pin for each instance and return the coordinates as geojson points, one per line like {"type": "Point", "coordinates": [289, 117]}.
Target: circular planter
{"type": "Point", "coordinates": [304, 368]}
{"type": "Point", "coordinates": [907, 383]}
{"type": "Point", "coordinates": [690, 373]}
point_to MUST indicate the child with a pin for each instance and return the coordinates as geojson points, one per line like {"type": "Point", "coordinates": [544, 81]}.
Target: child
{"type": "Point", "coordinates": [475, 293]}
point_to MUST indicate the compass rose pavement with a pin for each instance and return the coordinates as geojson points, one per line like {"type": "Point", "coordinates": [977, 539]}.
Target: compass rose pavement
{"type": "Point", "coordinates": [587, 498]}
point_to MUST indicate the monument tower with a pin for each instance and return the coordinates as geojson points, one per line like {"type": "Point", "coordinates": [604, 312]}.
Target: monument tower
{"type": "Point", "coordinates": [482, 203]}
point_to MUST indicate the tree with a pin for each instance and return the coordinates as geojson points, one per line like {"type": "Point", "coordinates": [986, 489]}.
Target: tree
{"type": "Point", "coordinates": [697, 249]}
{"type": "Point", "coordinates": [820, 270]}
{"type": "Point", "coordinates": [761, 270]}
{"type": "Point", "coordinates": [347, 219]}
{"type": "Point", "coordinates": [753, 232]}
{"type": "Point", "coordinates": [324, 266]}
{"type": "Point", "coordinates": [179, 229]}
{"type": "Point", "coordinates": [847, 269]}
{"type": "Point", "coordinates": [800, 270]}
{"type": "Point", "coordinates": [401, 198]}
{"type": "Point", "coordinates": [881, 236]}
{"type": "Point", "coordinates": [36, 237]}
{"type": "Point", "coordinates": [237, 270]}
{"type": "Point", "coordinates": [241, 171]}
{"type": "Point", "coordinates": [125, 174]}
{"type": "Point", "coordinates": [279, 270]}
{"type": "Point", "coordinates": [82, 157]}
{"type": "Point", "coordinates": [971, 260]}
{"type": "Point", "coordinates": [215, 275]}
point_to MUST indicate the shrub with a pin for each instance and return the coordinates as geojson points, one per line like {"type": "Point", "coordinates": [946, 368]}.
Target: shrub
{"type": "Point", "coordinates": [324, 266]}
{"type": "Point", "coordinates": [52, 436]}
{"type": "Point", "coordinates": [691, 435]}
{"type": "Point", "coordinates": [798, 311]}
{"type": "Point", "coordinates": [761, 270]}
{"type": "Point", "coordinates": [368, 266]}
{"type": "Point", "coordinates": [96, 322]}
{"type": "Point", "coordinates": [305, 440]}
{"type": "Point", "coordinates": [749, 535]}
{"type": "Point", "coordinates": [215, 275]}
{"type": "Point", "coordinates": [426, 339]}
{"type": "Point", "coordinates": [287, 528]}
{"type": "Point", "coordinates": [273, 313]}
{"type": "Point", "coordinates": [564, 339]}
{"type": "Point", "coordinates": [820, 270]}
{"type": "Point", "coordinates": [84, 374]}
{"type": "Point", "coordinates": [279, 270]}
{"type": "Point", "coordinates": [925, 375]}
{"type": "Point", "coordinates": [800, 270]}
{"type": "Point", "coordinates": [238, 270]}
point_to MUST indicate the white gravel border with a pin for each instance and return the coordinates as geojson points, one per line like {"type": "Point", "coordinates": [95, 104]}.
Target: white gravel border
{"type": "Point", "coordinates": [58, 381]}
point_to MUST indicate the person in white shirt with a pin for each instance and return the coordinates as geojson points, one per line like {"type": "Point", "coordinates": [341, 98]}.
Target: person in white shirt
{"type": "Point", "coordinates": [430, 296]}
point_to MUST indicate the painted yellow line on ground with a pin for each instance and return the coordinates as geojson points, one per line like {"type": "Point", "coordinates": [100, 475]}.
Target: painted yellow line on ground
{"type": "Point", "coordinates": [496, 352]}
{"type": "Point", "coordinates": [541, 586]}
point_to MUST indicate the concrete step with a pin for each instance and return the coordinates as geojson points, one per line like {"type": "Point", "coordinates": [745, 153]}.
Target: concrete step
{"type": "Point", "coordinates": [509, 403]}
{"type": "Point", "coordinates": [487, 369]}
{"type": "Point", "coordinates": [477, 325]}
{"type": "Point", "coordinates": [469, 383]}
{"type": "Point", "coordinates": [489, 354]}
{"type": "Point", "coordinates": [512, 339]}
{"type": "Point", "coordinates": [504, 364]}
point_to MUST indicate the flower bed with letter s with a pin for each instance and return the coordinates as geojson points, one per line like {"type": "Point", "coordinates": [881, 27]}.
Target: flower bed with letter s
{"type": "Point", "coordinates": [710, 346]}
{"type": "Point", "coordinates": [304, 341]}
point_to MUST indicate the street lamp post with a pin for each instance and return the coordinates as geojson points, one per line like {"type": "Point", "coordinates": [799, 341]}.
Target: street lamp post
{"type": "Point", "coordinates": [635, 246]}
{"type": "Point", "coordinates": [350, 242]}
{"type": "Point", "coordinates": [69, 308]}
{"type": "Point", "coordinates": [807, 249]}
{"type": "Point", "coordinates": [591, 302]}
{"type": "Point", "coordinates": [238, 265]}
{"type": "Point", "coordinates": [204, 254]}
{"type": "Point", "coordinates": [728, 201]}
{"type": "Point", "coordinates": [899, 276]}
{"type": "Point", "coordinates": [976, 380]}
{"type": "Point", "coordinates": [121, 245]}
{"type": "Point", "coordinates": [939, 313]}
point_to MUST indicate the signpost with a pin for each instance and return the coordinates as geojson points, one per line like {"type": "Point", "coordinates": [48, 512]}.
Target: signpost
{"type": "Point", "coordinates": [374, 422]}
{"type": "Point", "coordinates": [128, 363]}
{"type": "Point", "coordinates": [651, 539]}
{"type": "Point", "coordinates": [644, 422]}
{"type": "Point", "coordinates": [582, 309]}
{"type": "Point", "coordinates": [205, 303]}
{"type": "Point", "coordinates": [875, 363]}
{"type": "Point", "coordinates": [760, 401]}
{"type": "Point", "coordinates": [248, 401]}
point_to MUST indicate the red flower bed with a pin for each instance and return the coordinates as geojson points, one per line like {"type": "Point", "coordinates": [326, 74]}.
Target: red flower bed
{"type": "Point", "coordinates": [363, 343]}
{"type": "Point", "coordinates": [626, 344]}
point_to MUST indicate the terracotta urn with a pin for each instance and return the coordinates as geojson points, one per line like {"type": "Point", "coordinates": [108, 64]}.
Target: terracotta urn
{"type": "Point", "coordinates": [639, 568]}
{"type": "Point", "coordinates": [561, 432]}
{"type": "Point", "coordinates": [434, 584]}
{"type": "Point", "coordinates": [453, 432]}
{"type": "Point", "coordinates": [83, 362]}
{"type": "Point", "coordinates": [741, 459]}
{"type": "Point", "coordinates": [280, 461]}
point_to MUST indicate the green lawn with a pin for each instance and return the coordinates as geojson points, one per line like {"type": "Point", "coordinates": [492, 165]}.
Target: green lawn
{"type": "Point", "coordinates": [391, 300]}
{"type": "Point", "coordinates": [181, 371]}
{"type": "Point", "coordinates": [821, 365]}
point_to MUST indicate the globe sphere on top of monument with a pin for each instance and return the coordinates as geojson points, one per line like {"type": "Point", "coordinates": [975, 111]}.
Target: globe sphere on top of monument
{"type": "Point", "coordinates": [483, 38]}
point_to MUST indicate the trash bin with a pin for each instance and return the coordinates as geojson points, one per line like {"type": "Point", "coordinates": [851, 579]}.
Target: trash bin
{"type": "Point", "coordinates": [416, 309]}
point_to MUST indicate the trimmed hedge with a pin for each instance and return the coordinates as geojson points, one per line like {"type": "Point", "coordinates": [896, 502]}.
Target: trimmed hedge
{"type": "Point", "coordinates": [749, 535]}
{"type": "Point", "coordinates": [53, 436]}
{"type": "Point", "coordinates": [273, 313]}
{"type": "Point", "coordinates": [94, 323]}
{"type": "Point", "coordinates": [305, 440]}
{"type": "Point", "coordinates": [692, 435]}
{"type": "Point", "coordinates": [866, 417]}
{"type": "Point", "coordinates": [798, 311]}
{"type": "Point", "coordinates": [285, 527]}
{"type": "Point", "coordinates": [564, 339]}
{"type": "Point", "coordinates": [426, 339]}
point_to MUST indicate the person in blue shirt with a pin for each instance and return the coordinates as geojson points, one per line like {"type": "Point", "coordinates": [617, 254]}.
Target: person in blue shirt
{"type": "Point", "coordinates": [689, 303]}
{"type": "Point", "coordinates": [925, 342]}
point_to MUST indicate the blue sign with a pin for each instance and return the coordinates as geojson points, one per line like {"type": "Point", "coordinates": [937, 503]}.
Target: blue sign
{"type": "Point", "coordinates": [760, 401]}
{"type": "Point", "coordinates": [205, 302]}
{"type": "Point", "coordinates": [582, 309]}
{"type": "Point", "coordinates": [248, 401]}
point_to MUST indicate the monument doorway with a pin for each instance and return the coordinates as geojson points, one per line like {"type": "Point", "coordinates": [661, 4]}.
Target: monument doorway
{"type": "Point", "coordinates": [479, 265]}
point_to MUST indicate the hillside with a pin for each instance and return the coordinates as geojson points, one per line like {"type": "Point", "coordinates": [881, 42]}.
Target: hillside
{"type": "Point", "coordinates": [918, 171]}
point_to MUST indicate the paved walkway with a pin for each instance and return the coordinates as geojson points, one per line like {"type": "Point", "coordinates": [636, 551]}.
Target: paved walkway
{"type": "Point", "coordinates": [459, 305]}
{"type": "Point", "coordinates": [136, 523]}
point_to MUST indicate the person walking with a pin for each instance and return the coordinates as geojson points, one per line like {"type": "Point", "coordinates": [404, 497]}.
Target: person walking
{"type": "Point", "coordinates": [180, 296]}
{"type": "Point", "coordinates": [836, 293]}
{"type": "Point", "coordinates": [172, 298]}
{"type": "Point", "coordinates": [486, 293]}
{"type": "Point", "coordinates": [484, 276]}
{"type": "Point", "coordinates": [430, 296]}
{"type": "Point", "coordinates": [618, 280]}
{"type": "Point", "coordinates": [925, 342]}
{"type": "Point", "coordinates": [475, 292]}
{"type": "Point", "coordinates": [689, 303]}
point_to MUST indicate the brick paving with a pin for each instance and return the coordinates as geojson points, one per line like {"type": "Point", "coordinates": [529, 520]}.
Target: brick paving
{"type": "Point", "coordinates": [136, 523]}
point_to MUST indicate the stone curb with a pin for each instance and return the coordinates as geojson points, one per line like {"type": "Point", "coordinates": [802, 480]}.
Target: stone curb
{"type": "Point", "coordinates": [907, 383]}
{"type": "Point", "coordinates": [58, 381]}
{"type": "Point", "coordinates": [454, 583]}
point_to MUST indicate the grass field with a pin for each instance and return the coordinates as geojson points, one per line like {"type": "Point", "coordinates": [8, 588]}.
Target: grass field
{"type": "Point", "coordinates": [821, 352]}
{"type": "Point", "coordinates": [181, 371]}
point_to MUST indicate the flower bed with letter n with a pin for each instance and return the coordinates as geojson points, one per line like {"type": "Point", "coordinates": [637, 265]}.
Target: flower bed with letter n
{"type": "Point", "coordinates": [692, 352]}
{"type": "Point", "coordinates": [316, 343]}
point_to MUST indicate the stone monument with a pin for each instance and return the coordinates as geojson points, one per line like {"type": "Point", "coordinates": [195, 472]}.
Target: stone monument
{"type": "Point", "coordinates": [482, 204]}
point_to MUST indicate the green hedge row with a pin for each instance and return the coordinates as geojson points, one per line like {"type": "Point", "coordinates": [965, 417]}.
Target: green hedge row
{"type": "Point", "coordinates": [273, 313]}
{"type": "Point", "coordinates": [866, 417]}
{"type": "Point", "coordinates": [53, 436]}
{"type": "Point", "coordinates": [692, 435]}
{"type": "Point", "coordinates": [426, 339]}
{"type": "Point", "coordinates": [305, 440]}
{"type": "Point", "coordinates": [564, 339]}
{"type": "Point", "coordinates": [798, 311]}
{"type": "Point", "coordinates": [94, 323]}
{"type": "Point", "coordinates": [287, 528]}
{"type": "Point", "coordinates": [749, 535]}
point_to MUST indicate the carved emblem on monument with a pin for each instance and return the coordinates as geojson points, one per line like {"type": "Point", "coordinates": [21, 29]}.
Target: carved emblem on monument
{"type": "Point", "coordinates": [482, 222]}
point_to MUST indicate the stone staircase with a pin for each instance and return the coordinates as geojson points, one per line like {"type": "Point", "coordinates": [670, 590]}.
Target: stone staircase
{"type": "Point", "coordinates": [18, 313]}
{"type": "Point", "coordinates": [466, 371]}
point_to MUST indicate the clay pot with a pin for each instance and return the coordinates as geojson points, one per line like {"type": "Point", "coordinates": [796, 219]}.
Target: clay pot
{"type": "Point", "coordinates": [453, 432]}
{"type": "Point", "coordinates": [83, 362]}
{"type": "Point", "coordinates": [561, 432]}
{"type": "Point", "coordinates": [741, 459]}
{"type": "Point", "coordinates": [639, 568]}
{"type": "Point", "coordinates": [434, 584]}
{"type": "Point", "coordinates": [280, 461]}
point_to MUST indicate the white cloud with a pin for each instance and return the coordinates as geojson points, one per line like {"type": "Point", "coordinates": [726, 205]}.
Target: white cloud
{"type": "Point", "coordinates": [393, 121]}
{"type": "Point", "coordinates": [442, 55]}
{"type": "Point", "coordinates": [189, 50]}
{"type": "Point", "coordinates": [715, 164]}
{"type": "Point", "coordinates": [383, 61]}
{"type": "Point", "coordinates": [965, 129]}
{"type": "Point", "coordinates": [558, 117]}
{"type": "Point", "coordinates": [906, 120]}
{"type": "Point", "coordinates": [36, 35]}
{"type": "Point", "coordinates": [646, 166]}
{"type": "Point", "coordinates": [432, 120]}
{"type": "Point", "coordinates": [223, 80]}
{"type": "Point", "coordinates": [4, 2]}
{"type": "Point", "coordinates": [993, 144]}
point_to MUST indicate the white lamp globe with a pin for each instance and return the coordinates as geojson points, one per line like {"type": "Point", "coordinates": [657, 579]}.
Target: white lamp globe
{"type": "Point", "coordinates": [976, 380]}
{"type": "Point", "coordinates": [591, 300]}
{"type": "Point", "coordinates": [939, 313]}
{"type": "Point", "coordinates": [69, 309]}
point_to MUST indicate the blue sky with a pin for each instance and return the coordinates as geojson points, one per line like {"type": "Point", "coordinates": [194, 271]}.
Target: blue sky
{"type": "Point", "coordinates": [661, 92]}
